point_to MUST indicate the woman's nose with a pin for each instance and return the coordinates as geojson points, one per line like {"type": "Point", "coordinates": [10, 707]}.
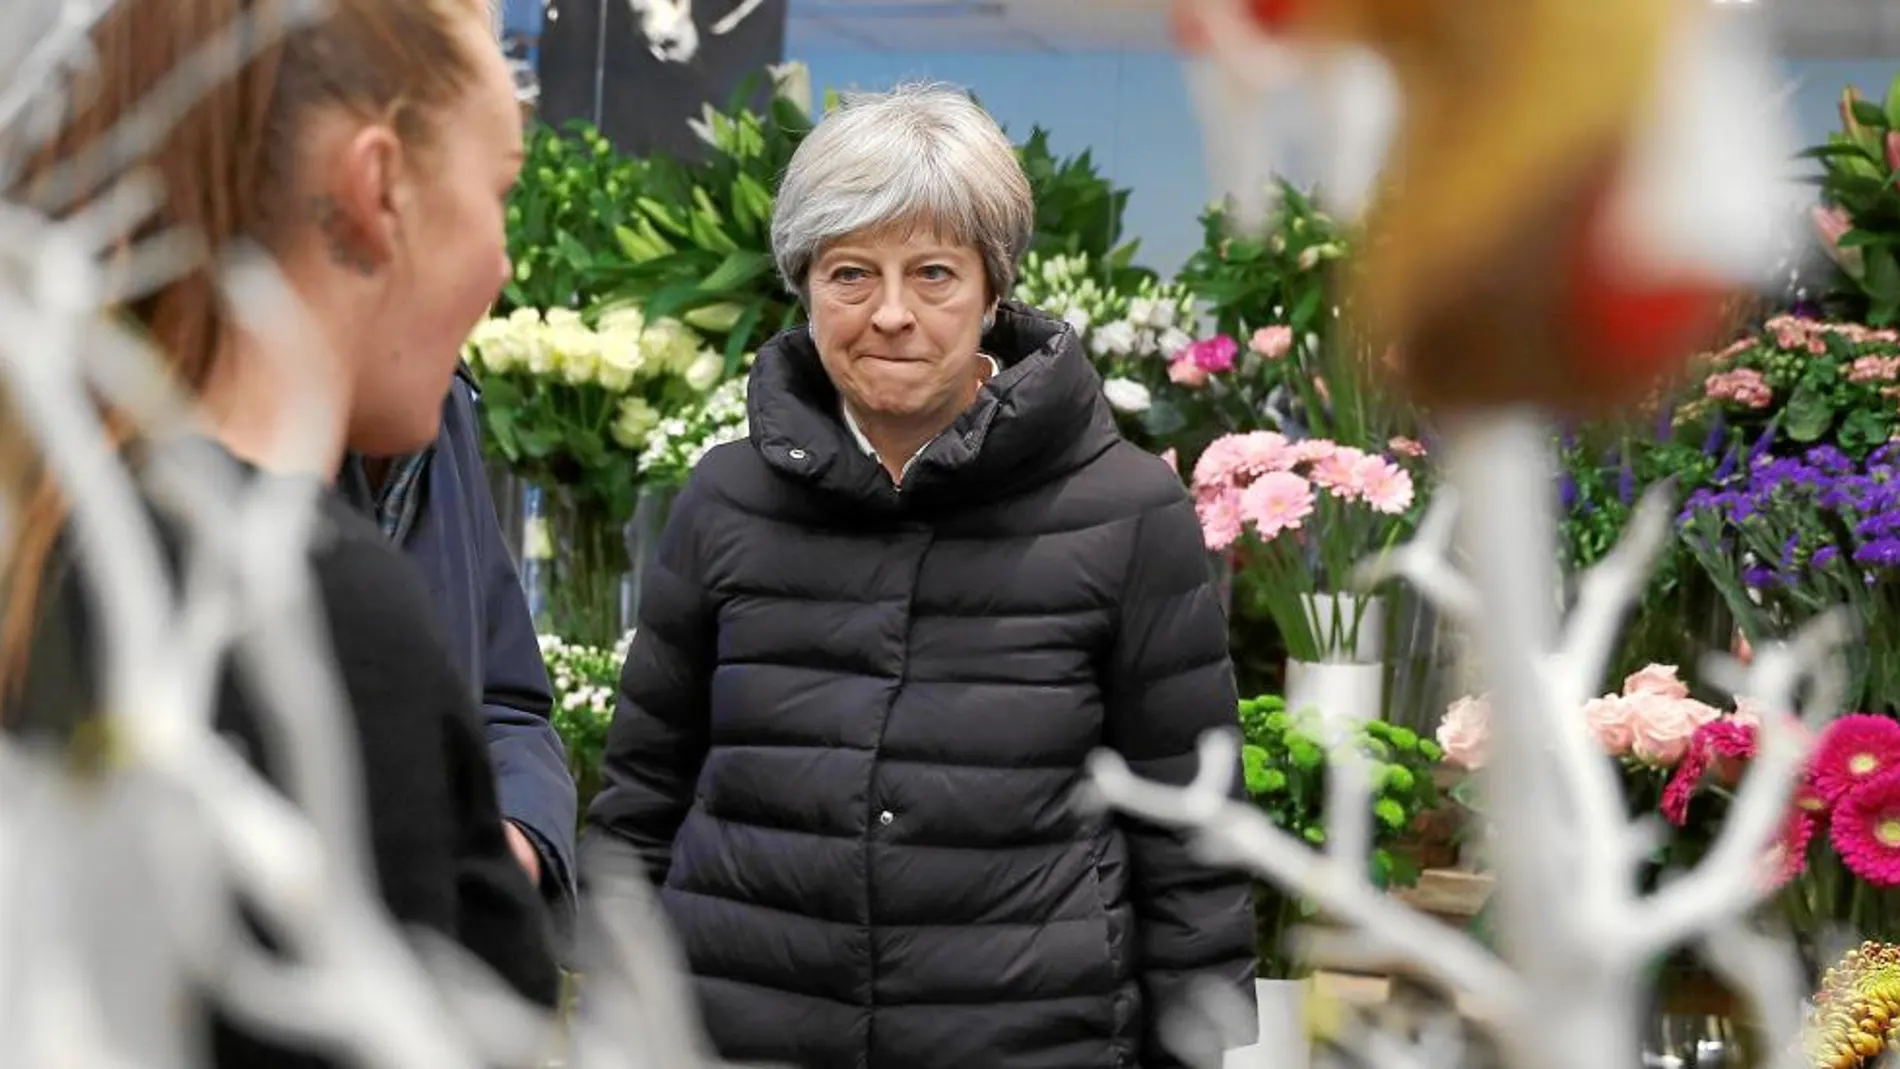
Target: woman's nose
{"type": "Point", "coordinates": [893, 312]}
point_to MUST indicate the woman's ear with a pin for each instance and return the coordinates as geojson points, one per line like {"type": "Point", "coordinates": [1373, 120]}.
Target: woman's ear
{"type": "Point", "coordinates": [358, 215]}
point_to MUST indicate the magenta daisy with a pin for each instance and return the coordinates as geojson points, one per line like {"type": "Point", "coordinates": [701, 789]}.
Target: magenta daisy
{"type": "Point", "coordinates": [1788, 856]}
{"type": "Point", "coordinates": [1853, 750]}
{"type": "Point", "coordinates": [1866, 829]}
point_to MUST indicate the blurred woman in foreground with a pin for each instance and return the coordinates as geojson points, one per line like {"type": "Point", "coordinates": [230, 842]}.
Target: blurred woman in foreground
{"type": "Point", "coordinates": [369, 153]}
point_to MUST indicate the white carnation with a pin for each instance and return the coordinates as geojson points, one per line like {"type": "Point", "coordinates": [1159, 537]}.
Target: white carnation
{"type": "Point", "coordinates": [1127, 395]}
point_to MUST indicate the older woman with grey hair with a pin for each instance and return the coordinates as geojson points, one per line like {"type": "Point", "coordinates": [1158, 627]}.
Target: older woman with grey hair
{"type": "Point", "coordinates": [884, 634]}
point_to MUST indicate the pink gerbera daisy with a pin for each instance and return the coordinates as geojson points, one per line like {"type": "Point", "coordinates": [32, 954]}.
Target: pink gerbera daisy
{"type": "Point", "coordinates": [1339, 472]}
{"type": "Point", "coordinates": [1220, 519]}
{"type": "Point", "coordinates": [1853, 750]}
{"type": "Point", "coordinates": [1788, 856]}
{"type": "Point", "coordinates": [1387, 487]}
{"type": "Point", "coordinates": [1277, 501]}
{"type": "Point", "coordinates": [1866, 829]}
{"type": "Point", "coordinates": [1263, 451]}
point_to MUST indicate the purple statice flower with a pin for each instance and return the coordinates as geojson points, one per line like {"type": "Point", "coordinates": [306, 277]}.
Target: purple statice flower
{"type": "Point", "coordinates": [1825, 556]}
{"type": "Point", "coordinates": [1626, 483]}
{"type": "Point", "coordinates": [1830, 460]}
{"type": "Point", "coordinates": [1761, 446]}
{"type": "Point", "coordinates": [1567, 491]}
{"type": "Point", "coordinates": [1756, 577]}
{"type": "Point", "coordinates": [1879, 553]}
{"type": "Point", "coordinates": [1718, 434]}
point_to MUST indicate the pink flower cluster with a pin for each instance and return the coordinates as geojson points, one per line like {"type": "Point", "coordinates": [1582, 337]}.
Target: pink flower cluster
{"type": "Point", "coordinates": [1853, 786]}
{"type": "Point", "coordinates": [1263, 480]}
{"type": "Point", "coordinates": [1194, 362]}
{"type": "Point", "coordinates": [1652, 721]}
{"type": "Point", "coordinates": [1743, 386]}
{"type": "Point", "coordinates": [1793, 333]}
{"type": "Point", "coordinates": [1874, 369]}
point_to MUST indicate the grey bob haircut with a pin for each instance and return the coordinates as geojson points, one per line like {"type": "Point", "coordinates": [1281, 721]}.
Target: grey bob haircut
{"type": "Point", "coordinates": [920, 155]}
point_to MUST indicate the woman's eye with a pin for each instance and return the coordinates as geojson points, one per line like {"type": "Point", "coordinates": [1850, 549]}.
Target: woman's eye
{"type": "Point", "coordinates": [935, 273]}
{"type": "Point", "coordinates": [848, 274]}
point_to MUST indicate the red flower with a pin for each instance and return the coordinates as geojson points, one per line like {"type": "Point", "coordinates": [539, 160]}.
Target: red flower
{"type": "Point", "coordinates": [1853, 750]}
{"type": "Point", "coordinates": [1866, 830]}
{"type": "Point", "coordinates": [1719, 746]}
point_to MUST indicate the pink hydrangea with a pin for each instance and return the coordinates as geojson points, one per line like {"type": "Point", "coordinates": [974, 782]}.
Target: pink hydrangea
{"type": "Point", "coordinates": [1275, 502]}
{"type": "Point", "coordinates": [1742, 386]}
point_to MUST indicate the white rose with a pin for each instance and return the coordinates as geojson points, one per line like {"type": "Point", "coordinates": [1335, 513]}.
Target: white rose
{"type": "Point", "coordinates": [1173, 340]}
{"type": "Point", "coordinates": [1127, 395]}
{"type": "Point", "coordinates": [621, 360]}
{"type": "Point", "coordinates": [1140, 310]}
{"type": "Point", "coordinates": [703, 373]}
{"type": "Point", "coordinates": [1113, 339]}
{"type": "Point", "coordinates": [633, 422]}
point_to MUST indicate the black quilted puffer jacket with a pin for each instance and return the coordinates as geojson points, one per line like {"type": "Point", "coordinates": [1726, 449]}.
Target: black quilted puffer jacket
{"type": "Point", "coordinates": [854, 717]}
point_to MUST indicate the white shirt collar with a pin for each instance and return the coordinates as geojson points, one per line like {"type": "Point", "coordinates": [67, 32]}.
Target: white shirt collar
{"type": "Point", "coordinates": [857, 432]}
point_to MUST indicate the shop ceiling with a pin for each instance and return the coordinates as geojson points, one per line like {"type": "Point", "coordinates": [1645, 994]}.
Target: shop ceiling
{"type": "Point", "coordinates": [1803, 29]}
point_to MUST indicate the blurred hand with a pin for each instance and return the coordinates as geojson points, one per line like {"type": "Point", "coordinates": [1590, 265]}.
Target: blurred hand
{"type": "Point", "coordinates": [525, 852]}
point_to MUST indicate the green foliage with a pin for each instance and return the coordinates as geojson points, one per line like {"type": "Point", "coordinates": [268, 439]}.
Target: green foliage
{"type": "Point", "coordinates": [698, 245]}
{"type": "Point", "coordinates": [1277, 276]}
{"type": "Point", "coordinates": [575, 192]}
{"type": "Point", "coordinates": [1861, 178]}
{"type": "Point", "coordinates": [1078, 212]}
{"type": "Point", "coordinates": [1284, 765]}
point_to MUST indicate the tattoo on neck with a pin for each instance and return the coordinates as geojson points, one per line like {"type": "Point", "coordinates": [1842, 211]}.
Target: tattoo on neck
{"type": "Point", "coordinates": [329, 218]}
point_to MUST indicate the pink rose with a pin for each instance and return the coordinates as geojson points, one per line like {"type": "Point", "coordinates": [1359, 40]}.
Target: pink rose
{"type": "Point", "coordinates": [1660, 727]}
{"type": "Point", "coordinates": [1188, 373]}
{"type": "Point", "coordinates": [1657, 679]}
{"type": "Point", "coordinates": [1272, 342]}
{"type": "Point", "coordinates": [1609, 720]}
{"type": "Point", "coordinates": [1465, 733]}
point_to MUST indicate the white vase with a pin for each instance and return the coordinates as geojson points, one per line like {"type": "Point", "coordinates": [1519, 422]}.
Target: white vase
{"type": "Point", "coordinates": [1346, 627]}
{"type": "Point", "coordinates": [1283, 1042]}
{"type": "Point", "coordinates": [1339, 692]}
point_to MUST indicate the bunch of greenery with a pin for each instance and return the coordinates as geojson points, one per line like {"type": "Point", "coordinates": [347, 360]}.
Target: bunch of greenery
{"type": "Point", "coordinates": [1284, 765]}
{"type": "Point", "coordinates": [576, 191]}
{"type": "Point", "coordinates": [1859, 221]}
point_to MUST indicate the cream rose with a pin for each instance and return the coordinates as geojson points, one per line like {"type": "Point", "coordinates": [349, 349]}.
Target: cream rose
{"type": "Point", "coordinates": [1465, 733]}
{"type": "Point", "coordinates": [1660, 727]}
{"type": "Point", "coordinates": [1609, 720]}
{"type": "Point", "coordinates": [1657, 679]}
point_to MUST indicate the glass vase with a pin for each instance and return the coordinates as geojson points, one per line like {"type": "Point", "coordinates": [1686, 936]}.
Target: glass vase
{"type": "Point", "coordinates": [585, 571]}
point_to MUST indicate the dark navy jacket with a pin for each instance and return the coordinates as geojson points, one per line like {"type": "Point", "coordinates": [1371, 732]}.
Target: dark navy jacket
{"type": "Point", "coordinates": [456, 544]}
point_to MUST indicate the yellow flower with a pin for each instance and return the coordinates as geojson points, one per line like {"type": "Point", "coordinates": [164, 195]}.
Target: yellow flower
{"type": "Point", "coordinates": [634, 420]}
{"type": "Point", "coordinates": [1856, 1008]}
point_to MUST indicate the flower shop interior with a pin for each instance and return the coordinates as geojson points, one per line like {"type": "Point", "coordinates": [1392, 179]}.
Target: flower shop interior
{"type": "Point", "coordinates": [643, 286]}
{"type": "Point", "coordinates": [1532, 368]}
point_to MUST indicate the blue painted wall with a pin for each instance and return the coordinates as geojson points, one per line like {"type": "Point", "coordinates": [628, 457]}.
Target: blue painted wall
{"type": "Point", "coordinates": [1133, 110]}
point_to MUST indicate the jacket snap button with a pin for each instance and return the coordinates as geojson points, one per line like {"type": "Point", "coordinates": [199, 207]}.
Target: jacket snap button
{"type": "Point", "coordinates": [796, 454]}
{"type": "Point", "coordinates": [886, 817]}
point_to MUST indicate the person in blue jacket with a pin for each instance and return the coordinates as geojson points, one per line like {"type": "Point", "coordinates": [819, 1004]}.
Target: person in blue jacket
{"type": "Point", "coordinates": [436, 505]}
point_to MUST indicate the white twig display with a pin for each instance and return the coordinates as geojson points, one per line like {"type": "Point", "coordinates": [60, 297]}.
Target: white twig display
{"type": "Point", "coordinates": [1576, 934]}
{"type": "Point", "coordinates": [119, 877]}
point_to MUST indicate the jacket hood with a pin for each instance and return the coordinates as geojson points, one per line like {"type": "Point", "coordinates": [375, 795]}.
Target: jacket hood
{"type": "Point", "coordinates": [1041, 416]}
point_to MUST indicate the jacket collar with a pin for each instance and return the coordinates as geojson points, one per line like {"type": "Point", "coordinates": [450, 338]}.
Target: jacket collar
{"type": "Point", "coordinates": [1042, 416]}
